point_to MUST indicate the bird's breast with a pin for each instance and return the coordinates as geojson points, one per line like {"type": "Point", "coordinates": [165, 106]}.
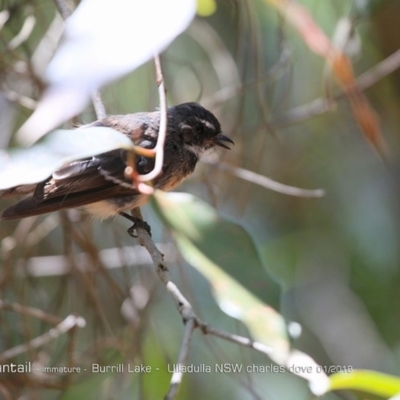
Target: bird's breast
{"type": "Point", "coordinates": [105, 209]}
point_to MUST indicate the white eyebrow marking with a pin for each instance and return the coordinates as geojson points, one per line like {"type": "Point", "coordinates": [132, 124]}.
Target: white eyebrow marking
{"type": "Point", "coordinates": [208, 124]}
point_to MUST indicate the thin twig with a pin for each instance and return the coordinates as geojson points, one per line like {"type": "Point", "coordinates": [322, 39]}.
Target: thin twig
{"type": "Point", "coordinates": [184, 307]}
{"type": "Point", "coordinates": [159, 149]}
{"type": "Point", "coordinates": [67, 324]}
{"type": "Point", "coordinates": [23, 35]}
{"type": "Point", "coordinates": [98, 105]}
{"type": "Point", "coordinates": [176, 378]}
{"type": "Point", "coordinates": [85, 279]}
{"type": "Point", "coordinates": [110, 258]}
{"type": "Point", "coordinates": [4, 15]}
{"type": "Point", "coordinates": [71, 354]}
{"type": "Point", "coordinates": [182, 304]}
{"type": "Point", "coordinates": [321, 105]}
{"type": "Point", "coordinates": [63, 9]}
{"type": "Point", "coordinates": [240, 340]}
{"type": "Point", "coordinates": [271, 184]}
{"type": "Point", "coordinates": [30, 311]}
{"type": "Point", "coordinates": [40, 231]}
{"type": "Point", "coordinates": [22, 100]}
{"type": "Point", "coordinates": [379, 71]}
{"type": "Point", "coordinates": [5, 392]}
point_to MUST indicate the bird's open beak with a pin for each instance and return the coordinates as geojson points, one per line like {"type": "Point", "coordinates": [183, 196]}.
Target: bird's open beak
{"type": "Point", "coordinates": [220, 139]}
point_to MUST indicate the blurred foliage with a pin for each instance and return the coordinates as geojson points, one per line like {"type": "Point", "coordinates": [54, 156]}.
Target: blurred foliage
{"type": "Point", "coordinates": [331, 264]}
{"type": "Point", "coordinates": [203, 239]}
{"type": "Point", "coordinates": [205, 8]}
{"type": "Point", "coordinates": [367, 381]}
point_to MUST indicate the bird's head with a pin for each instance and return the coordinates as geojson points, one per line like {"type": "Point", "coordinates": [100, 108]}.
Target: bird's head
{"type": "Point", "coordinates": [200, 131]}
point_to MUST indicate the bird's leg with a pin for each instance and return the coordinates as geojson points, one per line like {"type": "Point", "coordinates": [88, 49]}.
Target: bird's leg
{"type": "Point", "coordinates": [137, 223]}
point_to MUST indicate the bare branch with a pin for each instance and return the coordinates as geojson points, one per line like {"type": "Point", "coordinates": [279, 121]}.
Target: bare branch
{"type": "Point", "coordinates": [159, 149]}
{"type": "Point", "coordinates": [184, 307]}
{"type": "Point", "coordinates": [379, 71]}
{"type": "Point", "coordinates": [110, 258]}
{"type": "Point", "coordinates": [63, 8]}
{"type": "Point", "coordinates": [4, 15]}
{"type": "Point", "coordinates": [269, 183]}
{"type": "Point", "coordinates": [240, 340]}
{"type": "Point", "coordinates": [67, 324]}
{"type": "Point", "coordinates": [23, 35]}
{"type": "Point", "coordinates": [176, 378]}
{"type": "Point", "coordinates": [98, 105]}
{"type": "Point", "coordinates": [30, 311]}
{"type": "Point", "coordinates": [322, 105]}
{"type": "Point", "coordinates": [24, 101]}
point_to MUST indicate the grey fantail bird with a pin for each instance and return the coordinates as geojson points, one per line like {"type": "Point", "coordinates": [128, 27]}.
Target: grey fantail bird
{"type": "Point", "coordinates": [99, 185]}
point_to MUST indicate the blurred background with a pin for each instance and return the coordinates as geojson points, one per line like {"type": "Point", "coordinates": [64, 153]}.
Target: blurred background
{"type": "Point", "coordinates": [331, 263]}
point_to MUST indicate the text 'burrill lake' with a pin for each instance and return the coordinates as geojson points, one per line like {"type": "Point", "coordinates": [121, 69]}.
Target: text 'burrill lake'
{"type": "Point", "coordinates": [132, 369]}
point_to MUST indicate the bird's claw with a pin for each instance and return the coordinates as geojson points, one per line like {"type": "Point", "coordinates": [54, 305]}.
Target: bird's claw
{"type": "Point", "coordinates": [137, 223]}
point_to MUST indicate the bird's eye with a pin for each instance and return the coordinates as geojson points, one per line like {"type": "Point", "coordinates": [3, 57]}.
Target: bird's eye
{"type": "Point", "coordinates": [187, 133]}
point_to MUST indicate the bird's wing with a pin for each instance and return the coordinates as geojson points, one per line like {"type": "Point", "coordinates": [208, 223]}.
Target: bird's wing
{"type": "Point", "coordinates": [17, 191]}
{"type": "Point", "coordinates": [29, 206]}
{"type": "Point", "coordinates": [77, 184]}
{"type": "Point", "coordinates": [82, 182]}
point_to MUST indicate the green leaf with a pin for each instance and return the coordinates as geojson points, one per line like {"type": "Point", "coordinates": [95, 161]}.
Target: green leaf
{"type": "Point", "coordinates": [36, 163]}
{"type": "Point", "coordinates": [212, 245]}
{"type": "Point", "coordinates": [280, 257]}
{"type": "Point", "coordinates": [225, 243]}
{"type": "Point", "coordinates": [205, 8]}
{"type": "Point", "coordinates": [367, 381]}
